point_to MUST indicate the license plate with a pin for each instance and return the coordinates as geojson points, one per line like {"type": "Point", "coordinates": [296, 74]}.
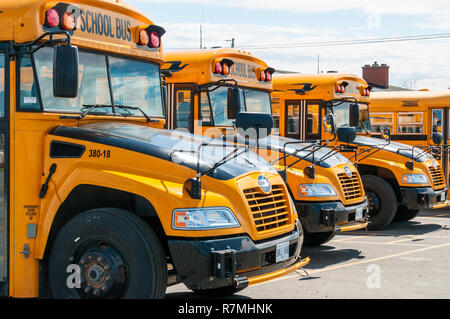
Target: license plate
{"type": "Point", "coordinates": [359, 214]}
{"type": "Point", "coordinates": [282, 252]}
{"type": "Point", "coordinates": [443, 197]}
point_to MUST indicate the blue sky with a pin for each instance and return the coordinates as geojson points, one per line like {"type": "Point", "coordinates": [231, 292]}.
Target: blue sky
{"type": "Point", "coordinates": [262, 22]}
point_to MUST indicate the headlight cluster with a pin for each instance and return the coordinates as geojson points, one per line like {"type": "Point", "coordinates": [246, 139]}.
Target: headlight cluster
{"type": "Point", "coordinates": [316, 190]}
{"type": "Point", "coordinates": [414, 179]}
{"type": "Point", "coordinates": [203, 218]}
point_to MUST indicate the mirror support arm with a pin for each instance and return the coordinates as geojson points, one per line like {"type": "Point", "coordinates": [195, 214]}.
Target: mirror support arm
{"type": "Point", "coordinates": [15, 49]}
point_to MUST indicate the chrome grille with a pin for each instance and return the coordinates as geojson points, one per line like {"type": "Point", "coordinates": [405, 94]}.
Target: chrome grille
{"type": "Point", "coordinates": [350, 185]}
{"type": "Point", "coordinates": [437, 176]}
{"type": "Point", "coordinates": [269, 211]}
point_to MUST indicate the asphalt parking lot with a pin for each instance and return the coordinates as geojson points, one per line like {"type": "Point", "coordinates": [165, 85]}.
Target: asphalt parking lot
{"type": "Point", "coordinates": [407, 260]}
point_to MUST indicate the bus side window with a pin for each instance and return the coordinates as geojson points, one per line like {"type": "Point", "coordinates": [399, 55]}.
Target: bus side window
{"type": "Point", "coordinates": [183, 108]}
{"type": "Point", "coordinates": [437, 121]}
{"type": "Point", "coordinates": [293, 119]}
{"type": "Point", "coordinates": [29, 99]}
{"type": "Point", "coordinates": [380, 121]}
{"type": "Point", "coordinates": [276, 115]}
{"type": "Point", "coordinates": [312, 120]}
{"type": "Point", "coordinates": [205, 109]}
{"type": "Point", "coordinates": [410, 123]}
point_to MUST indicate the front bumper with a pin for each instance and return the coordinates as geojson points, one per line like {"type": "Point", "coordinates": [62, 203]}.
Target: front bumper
{"type": "Point", "coordinates": [423, 198]}
{"type": "Point", "coordinates": [331, 216]}
{"type": "Point", "coordinates": [237, 261]}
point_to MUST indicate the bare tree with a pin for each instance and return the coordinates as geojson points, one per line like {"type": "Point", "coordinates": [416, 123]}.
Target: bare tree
{"type": "Point", "coordinates": [409, 84]}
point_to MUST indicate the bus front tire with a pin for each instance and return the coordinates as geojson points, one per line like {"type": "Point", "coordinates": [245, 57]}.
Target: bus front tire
{"type": "Point", "coordinates": [382, 201]}
{"type": "Point", "coordinates": [316, 239]}
{"type": "Point", "coordinates": [404, 214]}
{"type": "Point", "coordinates": [107, 253]}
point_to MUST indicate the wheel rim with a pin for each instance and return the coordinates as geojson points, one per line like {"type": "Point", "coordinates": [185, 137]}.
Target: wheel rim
{"type": "Point", "coordinates": [104, 272]}
{"type": "Point", "coordinates": [374, 203]}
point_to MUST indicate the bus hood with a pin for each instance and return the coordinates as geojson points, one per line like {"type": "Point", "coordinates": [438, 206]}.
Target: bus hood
{"type": "Point", "coordinates": [393, 147]}
{"type": "Point", "coordinates": [174, 146]}
{"type": "Point", "coordinates": [323, 156]}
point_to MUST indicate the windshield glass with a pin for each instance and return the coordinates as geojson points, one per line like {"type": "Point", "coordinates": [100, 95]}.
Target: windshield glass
{"type": "Point", "coordinates": [342, 115]}
{"type": "Point", "coordinates": [133, 83]}
{"type": "Point", "coordinates": [257, 101]}
{"type": "Point", "coordinates": [251, 101]}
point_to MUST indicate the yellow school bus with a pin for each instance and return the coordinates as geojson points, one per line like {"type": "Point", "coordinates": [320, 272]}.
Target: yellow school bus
{"type": "Point", "coordinates": [97, 200]}
{"type": "Point", "coordinates": [325, 186]}
{"type": "Point", "coordinates": [416, 118]}
{"type": "Point", "coordinates": [399, 180]}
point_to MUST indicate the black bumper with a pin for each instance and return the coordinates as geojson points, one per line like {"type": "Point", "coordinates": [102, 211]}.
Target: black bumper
{"type": "Point", "coordinates": [324, 217]}
{"type": "Point", "coordinates": [208, 264]}
{"type": "Point", "coordinates": [422, 198]}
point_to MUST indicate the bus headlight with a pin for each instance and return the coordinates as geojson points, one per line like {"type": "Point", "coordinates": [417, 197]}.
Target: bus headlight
{"type": "Point", "coordinates": [316, 190]}
{"type": "Point", "coordinates": [414, 179]}
{"type": "Point", "coordinates": [203, 218]}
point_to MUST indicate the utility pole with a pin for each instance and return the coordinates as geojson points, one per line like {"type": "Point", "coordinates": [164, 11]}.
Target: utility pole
{"type": "Point", "coordinates": [318, 62]}
{"type": "Point", "coordinates": [232, 42]}
{"type": "Point", "coordinates": [201, 37]}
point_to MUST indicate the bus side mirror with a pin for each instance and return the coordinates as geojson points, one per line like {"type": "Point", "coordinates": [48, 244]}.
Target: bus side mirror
{"type": "Point", "coordinates": [354, 115]}
{"type": "Point", "coordinates": [329, 124]}
{"type": "Point", "coordinates": [346, 134]}
{"type": "Point", "coordinates": [233, 103]}
{"type": "Point", "coordinates": [437, 138]}
{"type": "Point", "coordinates": [254, 125]}
{"type": "Point", "coordinates": [65, 71]}
{"type": "Point", "coordinates": [386, 134]}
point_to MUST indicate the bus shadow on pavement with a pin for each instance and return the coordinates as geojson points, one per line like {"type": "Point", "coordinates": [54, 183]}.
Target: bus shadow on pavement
{"type": "Point", "coordinates": [324, 256]}
{"type": "Point", "coordinates": [398, 229]}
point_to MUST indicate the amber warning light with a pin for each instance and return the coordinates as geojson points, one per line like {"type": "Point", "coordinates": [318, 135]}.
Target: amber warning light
{"type": "Point", "coordinates": [222, 66]}
{"type": "Point", "coordinates": [266, 74]}
{"type": "Point", "coordinates": [61, 16]}
{"type": "Point", "coordinates": [150, 36]}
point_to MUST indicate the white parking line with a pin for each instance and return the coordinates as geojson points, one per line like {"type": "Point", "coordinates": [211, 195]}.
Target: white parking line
{"type": "Point", "coordinates": [372, 260]}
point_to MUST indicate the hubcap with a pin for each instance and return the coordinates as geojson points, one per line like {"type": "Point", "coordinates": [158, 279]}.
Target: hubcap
{"type": "Point", "coordinates": [374, 203]}
{"type": "Point", "coordinates": [104, 273]}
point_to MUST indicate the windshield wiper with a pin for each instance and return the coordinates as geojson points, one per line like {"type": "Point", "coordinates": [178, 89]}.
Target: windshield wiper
{"type": "Point", "coordinates": [91, 107]}
{"type": "Point", "coordinates": [136, 108]}
{"type": "Point", "coordinates": [83, 114]}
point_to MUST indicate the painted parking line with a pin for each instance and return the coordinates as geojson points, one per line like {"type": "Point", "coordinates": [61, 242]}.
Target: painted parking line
{"type": "Point", "coordinates": [372, 260]}
{"type": "Point", "coordinates": [381, 243]}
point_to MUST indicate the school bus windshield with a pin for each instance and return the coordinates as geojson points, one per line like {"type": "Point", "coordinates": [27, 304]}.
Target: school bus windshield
{"type": "Point", "coordinates": [251, 101]}
{"type": "Point", "coordinates": [102, 79]}
{"type": "Point", "coordinates": [342, 115]}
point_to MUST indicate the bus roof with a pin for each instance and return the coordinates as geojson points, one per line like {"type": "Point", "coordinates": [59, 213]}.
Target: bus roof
{"type": "Point", "coordinates": [317, 86]}
{"type": "Point", "coordinates": [196, 66]}
{"type": "Point", "coordinates": [412, 98]}
{"type": "Point", "coordinates": [107, 25]}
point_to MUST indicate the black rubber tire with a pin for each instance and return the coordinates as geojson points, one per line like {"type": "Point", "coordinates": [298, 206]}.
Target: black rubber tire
{"type": "Point", "coordinates": [218, 292]}
{"type": "Point", "coordinates": [135, 240]}
{"type": "Point", "coordinates": [404, 214]}
{"type": "Point", "coordinates": [316, 239]}
{"type": "Point", "coordinates": [387, 201]}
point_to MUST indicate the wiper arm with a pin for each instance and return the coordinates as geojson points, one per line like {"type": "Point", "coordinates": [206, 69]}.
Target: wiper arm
{"type": "Point", "coordinates": [91, 107]}
{"type": "Point", "coordinates": [125, 107]}
{"type": "Point", "coordinates": [83, 115]}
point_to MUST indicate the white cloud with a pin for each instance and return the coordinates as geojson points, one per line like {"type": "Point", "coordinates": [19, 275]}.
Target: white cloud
{"type": "Point", "coordinates": [421, 60]}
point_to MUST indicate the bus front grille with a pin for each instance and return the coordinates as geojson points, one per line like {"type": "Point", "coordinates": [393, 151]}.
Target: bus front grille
{"type": "Point", "coordinates": [351, 186]}
{"type": "Point", "coordinates": [269, 211]}
{"type": "Point", "coordinates": [437, 177]}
